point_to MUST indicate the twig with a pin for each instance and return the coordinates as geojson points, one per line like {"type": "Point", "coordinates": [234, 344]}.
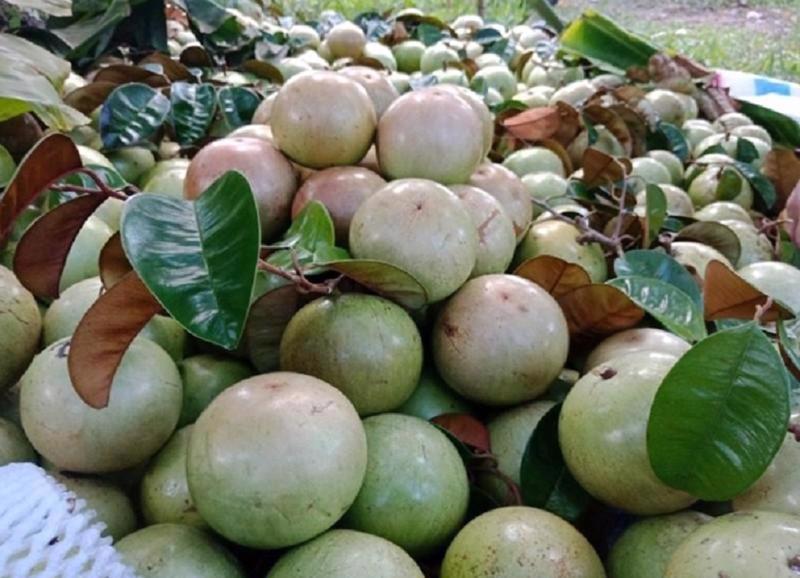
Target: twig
{"type": "Point", "coordinates": [101, 185]}
{"type": "Point", "coordinates": [794, 429]}
{"type": "Point", "coordinates": [771, 229]}
{"type": "Point", "coordinates": [761, 310]}
{"type": "Point", "coordinates": [303, 284]}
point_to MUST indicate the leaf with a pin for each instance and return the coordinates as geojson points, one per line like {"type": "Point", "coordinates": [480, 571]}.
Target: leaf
{"type": "Point", "coordinates": [103, 336]}
{"type": "Point", "coordinates": [193, 107]}
{"type": "Point", "coordinates": [673, 308]}
{"type": "Point", "coordinates": [729, 185]}
{"type": "Point", "coordinates": [113, 263]}
{"type": "Point", "coordinates": [534, 124]}
{"type": "Point", "coordinates": [131, 115]}
{"type": "Point", "coordinates": [384, 279]}
{"type": "Point", "coordinates": [124, 73]}
{"type": "Point", "coordinates": [613, 122]}
{"type": "Point", "coordinates": [554, 275]}
{"type": "Point", "coordinates": [269, 316]}
{"type": "Point", "coordinates": [7, 166]}
{"type": "Point", "coordinates": [312, 227]}
{"type": "Point", "coordinates": [782, 168]}
{"type": "Point", "coordinates": [656, 264]}
{"type": "Point", "coordinates": [42, 251]}
{"type": "Point", "coordinates": [596, 310]}
{"type": "Point", "coordinates": [545, 481]}
{"type": "Point", "coordinates": [44, 63]}
{"type": "Point", "coordinates": [655, 212]}
{"type": "Point", "coordinates": [238, 105]}
{"type": "Point", "coordinates": [49, 7]}
{"type": "Point", "coordinates": [465, 429]}
{"type": "Point", "coordinates": [182, 251]}
{"type": "Point", "coordinates": [746, 151]}
{"type": "Point", "coordinates": [669, 137]}
{"type": "Point", "coordinates": [48, 161]}
{"type": "Point", "coordinates": [720, 415]}
{"type": "Point", "coordinates": [715, 235]}
{"type": "Point", "coordinates": [92, 31]}
{"type": "Point", "coordinates": [600, 168]}
{"type": "Point", "coordinates": [263, 70]}
{"type": "Point", "coordinates": [766, 196]}
{"type": "Point", "coordinates": [727, 296]}
{"type": "Point", "coordinates": [174, 71]}
{"type": "Point", "coordinates": [783, 129]}
{"type": "Point", "coordinates": [87, 98]}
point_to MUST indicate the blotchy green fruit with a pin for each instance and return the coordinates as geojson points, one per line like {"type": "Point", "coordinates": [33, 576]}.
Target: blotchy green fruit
{"type": "Point", "coordinates": [560, 239]}
{"type": "Point", "coordinates": [346, 554]}
{"type": "Point", "coordinates": [436, 57]}
{"type": "Point", "coordinates": [166, 178]}
{"type": "Point", "coordinates": [83, 256]}
{"type": "Point", "coordinates": [176, 551]}
{"type": "Point", "coordinates": [408, 55]}
{"type": "Point", "coordinates": [291, 66]}
{"type": "Point", "coordinates": [421, 227]}
{"type": "Point", "coordinates": [132, 162]}
{"type": "Point", "coordinates": [696, 257]}
{"type": "Point", "coordinates": [304, 35]}
{"type": "Point", "coordinates": [546, 187]}
{"type": "Point", "coordinates": [364, 345]}
{"type": "Point", "coordinates": [431, 134]}
{"type": "Point", "coordinates": [534, 160]}
{"type": "Point", "coordinates": [322, 119]}
{"type": "Point", "coordinates": [341, 190]}
{"type": "Point", "coordinates": [276, 460]}
{"type": "Point", "coordinates": [14, 446]}
{"type": "Point", "coordinates": [271, 177]}
{"type": "Point", "coordinates": [753, 131]}
{"type": "Point", "coordinates": [164, 492]}
{"type": "Point", "coordinates": [755, 246]}
{"type": "Point", "coordinates": [509, 189]}
{"type": "Point", "coordinates": [500, 340]}
{"type": "Point", "coordinates": [671, 162]}
{"type": "Point", "coordinates": [703, 189]}
{"type": "Point", "coordinates": [723, 210]}
{"type": "Point", "coordinates": [20, 328]}
{"type": "Point", "coordinates": [509, 433]}
{"type": "Point", "coordinates": [644, 550]}
{"type": "Point", "coordinates": [603, 434]}
{"type": "Point", "coordinates": [740, 545]}
{"type": "Point", "coordinates": [346, 40]}
{"type": "Point", "coordinates": [381, 91]}
{"type": "Point", "coordinates": [140, 416]}
{"type": "Point", "coordinates": [635, 340]}
{"type": "Point", "coordinates": [520, 542]}
{"type": "Point", "coordinates": [415, 492]}
{"type": "Point", "coordinates": [496, 239]}
{"type": "Point", "coordinates": [204, 378]}
{"type": "Point", "coordinates": [778, 280]}
{"type": "Point", "coordinates": [112, 506]}
{"type": "Point", "coordinates": [432, 397]}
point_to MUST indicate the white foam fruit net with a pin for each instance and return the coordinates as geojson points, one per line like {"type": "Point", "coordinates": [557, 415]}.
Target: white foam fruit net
{"type": "Point", "coordinates": [46, 532]}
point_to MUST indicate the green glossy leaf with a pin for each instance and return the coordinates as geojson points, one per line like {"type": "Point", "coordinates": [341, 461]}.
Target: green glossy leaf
{"type": "Point", "coordinates": [790, 342]}
{"type": "Point", "coordinates": [384, 279]}
{"type": "Point", "coordinates": [720, 415]}
{"type": "Point", "coordinates": [92, 32]}
{"type": "Point", "coordinates": [766, 196]}
{"type": "Point", "coordinates": [746, 151]}
{"type": "Point", "coordinates": [656, 211]}
{"type": "Point", "coordinates": [673, 308]}
{"type": "Point", "coordinates": [669, 137]}
{"type": "Point", "coordinates": [545, 481]}
{"type": "Point", "coordinates": [715, 235]}
{"type": "Point", "coordinates": [237, 104]}
{"type": "Point", "coordinates": [545, 9]}
{"type": "Point", "coordinates": [183, 252]}
{"type": "Point", "coordinates": [193, 107]}
{"type": "Point", "coordinates": [656, 264]}
{"type": "Point", "coordinates": [313, 226]}
{"type": "Point", "coordinates": [7, 166]}
{"type": "Point", "coordinates": [790, 253]}
{"type": "Point", "coordinates": [428, 34]}
{"type": "Point", "coordinates": [132, 114]}
{"type": "Point", "coordinates": [783, 129]}
{"type": "Point", "coordinates": [729, 185]}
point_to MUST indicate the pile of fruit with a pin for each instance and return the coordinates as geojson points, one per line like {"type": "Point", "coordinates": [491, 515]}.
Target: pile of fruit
{"type": "Point", "coordinates": [398, 298]}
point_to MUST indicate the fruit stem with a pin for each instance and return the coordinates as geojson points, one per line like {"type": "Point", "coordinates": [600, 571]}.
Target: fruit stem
{"type": "Point", "coordinates": [298, 278]}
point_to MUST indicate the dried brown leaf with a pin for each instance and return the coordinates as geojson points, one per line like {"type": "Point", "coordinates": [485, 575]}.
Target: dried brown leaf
{"type": "Point", "coordinates": [113, 262]}
{"type": "Point", "coordinates": [596, 310]}
{"type": "Point", "coordinates": [727, 296]}
{"type": "Point", "coordinates": [554, 275]}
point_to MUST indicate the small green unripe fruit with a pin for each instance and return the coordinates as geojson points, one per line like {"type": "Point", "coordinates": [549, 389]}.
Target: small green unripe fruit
{"type": "Point", "coordinates": [421, 227]}
{"type": "Point", "coordinates": [166, 178]}
{"type": "Point", "coordinates": [432, 397]}
{"type": "Point", "coordinates": [416, 491]}
{"type": "Point", "coordinates": [671, 162]}
{"type": "Point", "coordinates": [436, 57]}
{"type": "Point", "coordinates": [303, 35]}
{"type": "Point", "coordinates": [729, 121]}
{"type": "Point", "coordinates": [133, 162]}
{"type": "Point", "coordinates": [602, 432]}
{"type": "Point", "coordinates": [574, 94]}
{"type": "Point", "coordinates": [509, 189]}
{"type": "Point", "coordinates": [755, 246]}
{"type": "Point", "coordinates": [498, 77]}
{"type": "Point", "coordinates": [112, 506]}
{"type": "Point", "coordinates": [644, 550]}
{"type": "Point", "coordinates": [322, 119]}
{"type": "Point", "coordinates": [696, 256]}
{"type": "Point", "coordinates": [633, 341]}
{"type": "Point", "coordinates": [668, 106]}
{"type": "Point", "coordinates": [695, 131]}
{"type": "Point", "coordinates": [408, 55]}
{"type": "Point", "coordinates": [546, 187]}
{"type": "Point", "coordinates": [110, 212]}
{"type": "Point", "coordinates": [381, 53]}
{"type": "Point", "coordinates": [679, 203]}
{"type": "Point", "coordinates": [606, 142]}
{"type": "Point", "coordinates": [345, 40]}
{"type": "Point", "coordinates": [520, 542]}
{"type": "Point", "coordinates": [290, 67]}
{"type": "Point", "coordinates": [177, 551]}
{"type": "Point", "coordinates": [204, 378]}
{"type": "Point", "coordinates": [140, 416]}
{"type": "Point", "coordinates": [646, 171]}
{"type": "Point", "coordinates": [83, 256]}
{"type": "Point", "coordinates": [276, 460]}
{"type": "Point", "coordinates": [560, 239]}
{"type": "Point", "coordinates": [534, 160]}
{"type": "Point", "coordinates": [535, 97]}
{"type": "Point", "coordinates": [778, 280]}
{"type": "Point", "coordinates": [753, 131]}
{"type": "Point", "coordinates": [489, 59]}
{"type": "Point", "coordinates": [20, 328]}
{"type": "Point", "coordinates": [346, 554]}
{"type": "Point", "coordinates": [722, 211]}
{"type": "Point", "coordinates": [473, 346]}
{"type": "Point", "coordinates": [480, 108]}
{"type": "Point", "coordinates": [740, 545]}
{"type": "Point", "coordinates": [378, 339]}
{"type": "Point", "coordinates": [14, 446]}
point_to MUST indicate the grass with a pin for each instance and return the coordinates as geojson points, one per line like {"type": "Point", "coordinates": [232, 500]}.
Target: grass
{"type": "Point", "coordinates": [716, 32]}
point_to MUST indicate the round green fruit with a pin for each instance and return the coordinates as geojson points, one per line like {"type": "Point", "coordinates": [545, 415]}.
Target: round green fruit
{"type": "Point", "coordinates": [133, 162]}
{"type": "Point", "coordinates": [421, 227]}
{"type": "Point", "coordinates": [83, 256]}
{"type": "Point", "coordinates": [695, 131]}
{"type": "Point", "coordinates": [380, 89]}
{"type": "Point", "coordinates": [722, 211]}
{"type": "Point", "coordinates": [204, 378]}
{"type": "Point", "coordinates": [603, 431]}
{"type": "Point", "coordinates": [89, 156]}
{"type": "Point", "coordinates": [606, 142]}
{"type": "Point", "coordinates": [110, 504]}
{"type": "Point", "coordinates": [755, 246]}
{"type": "Point", "coordinates": [167, 333]}
{"type": "Point", "coordinates": [259, 131]}
{"type": "Point", "coordinates": [346, 554]}
{"type": "Point", "coordinates": [408, 55]}
{"type": "Point", "coordinates": [534, 160]}
{"type": "Point", "coordinates": [671, 162]}
{"type": "Point", "coordinates": [364, 345]}
{"type": "Point", "coordinates": [509, 189]}
{"type": "Point", "coordinates": [500, 340]}
{"type": "Point", "coordinates": [430, 134]}
{"type": "Point", "coordinates": [729, 121]}
{"type": "Point", "coordinates": [141, 414]}
{"type": "Point", "coordinates": [646, 171]}
{"type": "Point", "coordinates": [753, 131]}
{"type": "Point", "coordinates": [20, 328]}
{"type": "Point", "coordinates": [322, 119]}
{"type": "Point", "coordinates": [574, 94]}
{"type": "Point", "coordinates": [778, 280]}
{"type": "Point", "coordinates": [635, 340]}
{"type": "Point", "coordinates": [432, 398]}
{"type": "Point", "coordinates": [535, 97]}
{"type": "Point", "coordinates": [480, 108]}
{"type": "Point", "coordinates": [546, 187]}
{"type": "Point", "coordinates": [696, 256]}
{"type": "Point", "coordinates": [560, 239]}
{"type": "Point", "coordinates": [14, 446]}
{"type": "Point", "coordinates": [345, 40]}
{"type": "Point", "coordinates": [166, 178]}
{"type": "Point", "coordinates": [416, 491]}
{"type": "Point", "coordinates": [679, 203]}
{"type": "Point", "coordinates": [496, 76]}
{"type": "Point", "coordinates": [177, 551]}
{"type": "Point", "coordinates": [303, 35]}
{"type": "Point", "coordinates": [520, 542]}
{"type": "Point", "coordinates": [436, 57]}
{"type": "Point", "coordinates": [668, 106]}
{"type": "Point", "coordinates": [740, 545]}
{"type": "Point", "coordinates": [276, 460]}
{"type": "Point", "coordinates": [644, 550]}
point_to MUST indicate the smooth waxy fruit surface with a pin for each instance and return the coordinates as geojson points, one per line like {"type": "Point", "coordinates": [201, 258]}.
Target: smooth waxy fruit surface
{"type": "Point", "coordinates": [20, 328]}
{"type": "Point", "coordinates": [14, 446]}
{"type": "Point", "coordinates": [778, 280]}
{"type": "Point", "coordinates": [204, 378]}
{"type": "Point", "coordinates": [560, 239]}
{"type": "Point", "coordinates": [432, 397]}
{"type": "Point", "coordinates": [112, 506]}
{"type": "Point", "coordinates": [276, 460]}
{"type": "Point", "coordinates": [509, 190]}
{"type": "Point", "coordinates": [633, 341]}
{"type": "Point", "coordinates": [83, 256]}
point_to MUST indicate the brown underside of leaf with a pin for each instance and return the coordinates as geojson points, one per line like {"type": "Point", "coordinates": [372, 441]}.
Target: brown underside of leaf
{"type": "Point", "coordinates": [89, 97]}
{"type": "Point", "coordinates": [727, 296]}
{"type": "Point", "coordinates": [113, 262]}
{"type": "Point", "coordinates": [570, 124]}
{"type": "Point", "coordinates": [103, 336]}
{"type": "Point", "coordinates": [195, 56]}
{"type": "Point", "coordinates": [124, 73]}
{"type": "Point", "coordinates": [268, 318]}
{"type": "Point", "coordinates": [562, 153]}
{"type": "Point", "coordinates": [597, 310]}
{"type": "Point", "coordinates": [466, 429]}
{"type": "Point", "coordinates": [42, 251]}
{"type": "Point", "coordinates": [534, 124]}
{"type": "Point", "coordinates": [263, 70]}
{"type": "Point", "coordinates": [613, 122]}
{"type": "Point", "coordinates": [172, 70]}
{"type": "Point", "coordinates": [51, 159]}
{"type": "Point", "coordinates": [554, 275]}
{"type": "Point", "coordinates": [600, 168]}
{"type": "Point", "coordinates": [782, 167]}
